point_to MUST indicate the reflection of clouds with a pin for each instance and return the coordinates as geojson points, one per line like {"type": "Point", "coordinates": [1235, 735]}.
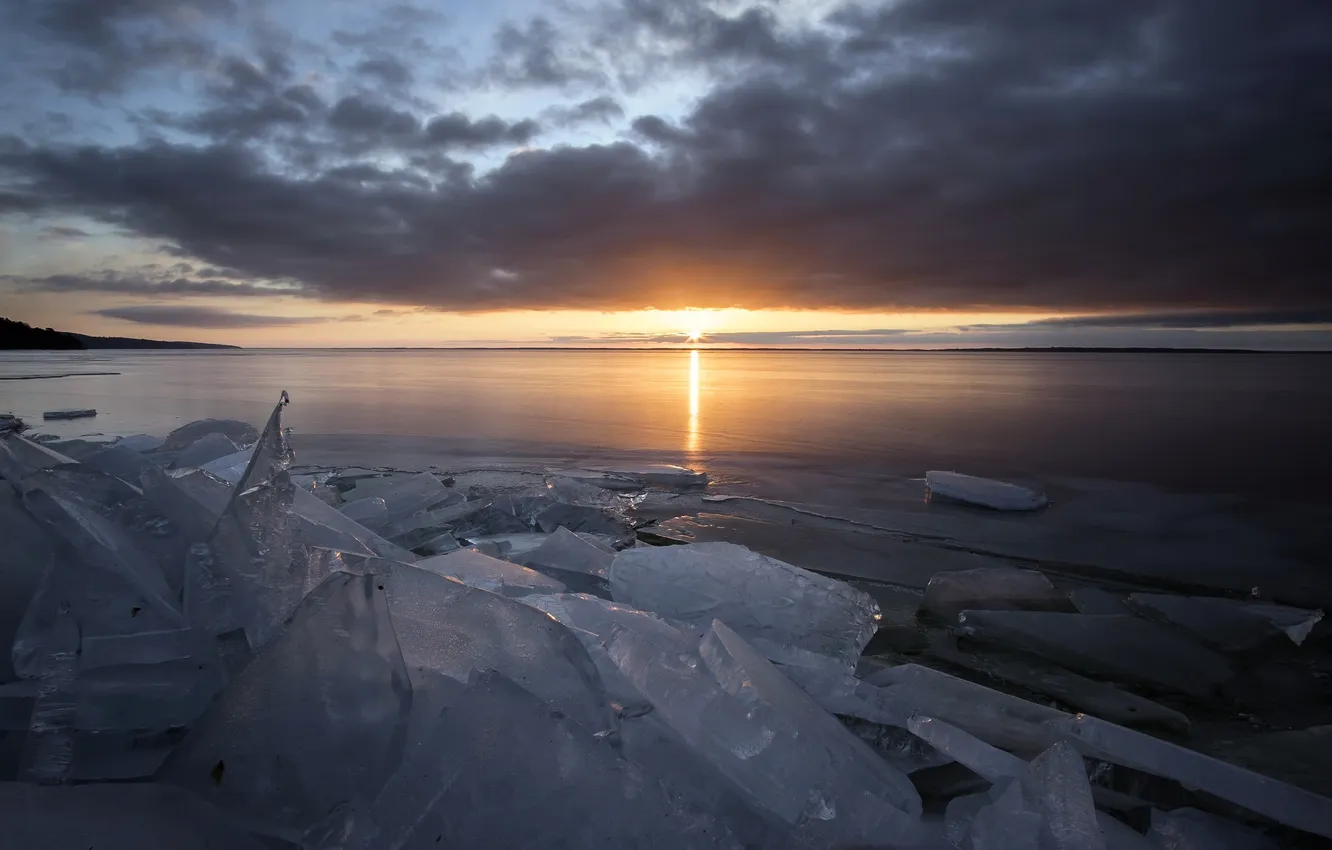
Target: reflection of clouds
{"type": "Point", "coordinates": [692, 439]}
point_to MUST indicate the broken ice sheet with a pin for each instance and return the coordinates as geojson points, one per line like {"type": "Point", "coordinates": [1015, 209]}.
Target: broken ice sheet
{"type": "Point", "coordinates": [985, 492]}
{"type": "Point", "coordinates": [447, 628]}
{"type": "Point", "coordinates": [991, 589]}
{"type": "Point", "coordinates": [482, 571]}
{"type": "Point", "coordinates": [760, 597]}
{"type": "Point", "coordinates": [115, 816]}
{"type": "Point", "coordinates": [567, 551]}
{"type": "Point", "coordinates": [368, 512]}
{"type": "Point", "coordinates": [239, 433]}
{"type": "Point", "coordinates": [1232, 625]}
{"type": "Point", "coordinates": [324, 527]}
{"type": "Point", "coordinates": [509, 771]}
{"type": "Point", "coordinates": [1120, 648]}
{"type": "Point", "coordinates": [207, 448]}
{"type": "Point", "coordinates": [26, 554]}
{"type": "Point", "coordinates": [318, 717]}
{"type": "Point", "coordinates": [1283, 803]}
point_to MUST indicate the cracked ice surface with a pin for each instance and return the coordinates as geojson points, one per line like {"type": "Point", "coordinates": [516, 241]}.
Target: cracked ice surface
{"type": "Point", "coordinates": [773, 604]}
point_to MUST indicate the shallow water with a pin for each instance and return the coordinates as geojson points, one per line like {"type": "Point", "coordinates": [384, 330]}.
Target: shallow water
{"type": "Point", "coordinates": [1244, 424]}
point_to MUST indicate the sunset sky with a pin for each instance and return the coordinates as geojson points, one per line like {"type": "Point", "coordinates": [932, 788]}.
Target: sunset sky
{"type": "Point", "coordinates": [908, 173]}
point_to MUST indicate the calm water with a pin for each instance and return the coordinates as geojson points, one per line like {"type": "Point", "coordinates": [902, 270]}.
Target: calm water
{"type": "Point", "coordinates": [1205, 423]}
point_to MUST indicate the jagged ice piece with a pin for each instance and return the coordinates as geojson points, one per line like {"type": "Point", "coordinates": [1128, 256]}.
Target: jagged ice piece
{"type": "Point", "coordinates": [482, 571]}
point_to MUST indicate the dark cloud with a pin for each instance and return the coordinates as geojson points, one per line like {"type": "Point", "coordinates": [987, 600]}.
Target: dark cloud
{"type": "Point", "coordinates": [142, 285]}
{"type": "Point", "coordinates": [1154, 156]}
{"type": "Point", "coordinates": [602, 109]}
{"type": "Point", "coordinates": [540, 55]}
{"type": "Point", "coordinates": [202, 317]}
{"type": "Point", "coordinates": [386, 69]}
{"type": "Point", "coordinates": [1198, 319]}
{"type": "Point", "coordinates": [59, 232]}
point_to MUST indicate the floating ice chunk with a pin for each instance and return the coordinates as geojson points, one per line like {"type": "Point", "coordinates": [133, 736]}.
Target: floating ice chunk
{"type": "Point", "coordinates": [368, 512]}
{"type": "Point", "coordinates": [985, 492]}
{"type": "Point", "coordinates": [240, 433]}
{"type": "Point", "coordinates": [510, 772]}
{"type": "Point", "coordinates": [1232, 625]}
{"type": "Point", "coordinates": [450, 629]}
{"type": "Point", "coordinates": [990, 762]}
{"type": "Point", "coordinates": [1282, 803]}
{"type": "Point", "coordinates": [317, 718]}
{"type": "Point", "coordinates": [141, 443]}
{"type": "Point", "coordinates": [1122, 648]}
{"type": "Point", "coordinates": [1190, 829]}
{"type": "Point", "coordinates": [1099, 698]}
{"type": "Point", "coordinates": [70, 413]}
{"type": "Point", "coordinates": [207, 448]}
{"type": "Point", "coordinates": [662, 474]}
{"type": "Point", "coordinates": [758, 596]}
{"type": "Point", "coordinates": [475, 569]}
{"type": "Point", "coordinates": [991, 589]}
{"type": "Point", "coordinates": [115, 817]}
{"type": "Point", "coordinates": [1093, 600]}
{"type": "Point", "coordinates": [567, 551]}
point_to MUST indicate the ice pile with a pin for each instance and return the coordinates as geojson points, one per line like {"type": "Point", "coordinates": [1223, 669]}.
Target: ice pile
{"type": "Point", "coordinates": [238, 656]}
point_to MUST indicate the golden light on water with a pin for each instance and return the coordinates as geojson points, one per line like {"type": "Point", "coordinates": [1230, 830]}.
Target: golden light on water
{"type": "Point", "coordinates": [692, 439]}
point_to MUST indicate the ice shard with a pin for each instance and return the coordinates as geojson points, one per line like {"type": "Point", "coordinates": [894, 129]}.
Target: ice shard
{"type": "Point", "coordinates": [1119, 648]}
{"type": "Point", "coordinates": [508, 771]}
{"type": "Point", "coordinates": [1056, 785]}
{"type": "Point", "coordinates": [478, 570]}
{"type": "Point", "coordinates": [773, 604]}
{"type": "Point", "coordinates": [1282, 803]}
{"type": "Point", "coordinates": [239, 433]}
{"type": "Point", "coordinates": [1232, 625]}
{"type": "Point", "coordinates": [446, 628]}
{"type": "Point", "coordinates": [141, 443]}
{"type": "Point", "coordinates": [368, 512]}
{"type": "Point", "coordinates": [27, 555]}
{"type": "Point", "coordinates": [1190, 829]}
{"type": "Point", "coordinates": [207, 448]}
{"type": "Point", "coordinates": [121, 462]}
{"type": "Point", "coordinates": [115, 816]}
{"type": "Point", "coordinates": [991, 589]}
{"type": "Point", "coordinates": [566, 551]}
{"type": "Point", "coordinates": [324, 527]}
{"type": "Point", "coordinates": [581, 518]}
{"type": "Point", "coordinates": [985, 492]}
{"type": "Point", "coordinates": [20, 456]}
{"type": "Point", "coordinates": [403, 495]}
{"type": "Point", "coordinates": [317, 718]}
{"type": "Point", "coordinates": [990, 762]}
{"type": "Point", "coordinates": [1007, 823]}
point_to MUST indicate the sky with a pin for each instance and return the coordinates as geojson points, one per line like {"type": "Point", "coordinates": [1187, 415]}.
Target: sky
{"type": "Point", "coordinates": [813, 173]}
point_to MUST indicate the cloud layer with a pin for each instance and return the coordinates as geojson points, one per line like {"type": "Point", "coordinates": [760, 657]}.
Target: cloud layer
{"type": "Point", "coordinates": [1155, 156]}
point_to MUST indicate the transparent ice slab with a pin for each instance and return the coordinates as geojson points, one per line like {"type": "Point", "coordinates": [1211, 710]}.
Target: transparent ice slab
{"type": "Point", "coordinates": [565, 550]}
{"type": "Point", "coordinates": [482, 571]}
{"type": "Point", "coordinates": [760, 597]}
{"type": "Point", "coordinates": [240, 433]}
{"type": "Point", "coordinates": [317, 718]}
{"type": "Point", "coordinates": [985, 492]}
{"type": "Point", "coordinates": [207, 448]}
{"type": "Point", "coordinates": [1232, 625]}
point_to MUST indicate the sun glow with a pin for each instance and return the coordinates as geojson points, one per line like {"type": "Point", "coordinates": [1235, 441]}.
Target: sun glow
{"type": "Point", "coordinates": [695, 336]}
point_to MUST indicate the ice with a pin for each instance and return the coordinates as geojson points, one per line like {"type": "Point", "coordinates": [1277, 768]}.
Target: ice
{"type": "Point", "coordinates": [1119, 648]}
{"type": "Point", "coordinates": [1231, 625]}
{"type": "Point", "coordinates": [661, 474]}
{"type": "Point", "coordinates": [513, 546]}
{"type": "Point", "coordinates": [1092, 600]}
{"type": "Point", "coordinates": [317, 718]}
{"type": "Point", "coordinates": [207, 448]}
{"type": "Point", "coordinates": [1099, 698]}
{"type": "Point", "coordinates": [1007, 823]}
{"type": "Point", "coordinates": [429, 524]}
{"type": "Point", "coordinates": [985, 492]}
{"type": "Point", "coordinates": [766, 600]}
{"type": "Point", "coordinates": [564, 550]}
{"type": "Point", "coordinates": [1282, 803]}
{"type": "Point", "coordinates": [115, 817]}
{"type": "Point", "coordinates": [402, 495]}
{"type": "Point", "coordinates": [990, 762]}
{"type": "Point", "coordinates": [368, 512]}
{"type": "Point", "coordinates": [20, 456]}
{"type": "Point", "coordinates": [240, 433]}
{"type": "Point", "coordinates": [1120, 836]}
{"type": "Point", "coordinates": [475, 569]}
{"type": "Point", "coordinates": [1056, 783]}
{"type": "Point", "coordinates": [230, 467]}
{"type": "Point", "coordinates": [141, 443]}
{"type": "Point", "coordinates": [325, 527]}
{"type": "Point", "coordinates": [192, 500]}
{"type": "Point", "coordinates": [991, 589]}
{"type": "Point", "coordinates": [70, 413]}
{"type": "Point", "coordinates": [507, 771]}
{"type": "Point", "coordinates": [441, 544]}
{"type": "Point", "coordinates": [581, 518]}
{"type": "Point", "coordinates": [98, 577]}
{"type": "Point", "coordinates": [1190, 829]}
{"type": "Point", "coordinates": [121, 462]}
{"type": "Point", "coordinates": [26, 554]}
{"type": "Point", "coordinates": [446, 628]}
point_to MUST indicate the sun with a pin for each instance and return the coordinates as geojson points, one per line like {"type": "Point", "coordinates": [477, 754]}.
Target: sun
{"type": "Point", "coordinates": [694, 336]}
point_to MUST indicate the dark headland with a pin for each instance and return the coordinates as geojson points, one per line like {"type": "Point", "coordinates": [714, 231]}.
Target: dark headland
{"type": "Point", "coordinates": [15, 336]}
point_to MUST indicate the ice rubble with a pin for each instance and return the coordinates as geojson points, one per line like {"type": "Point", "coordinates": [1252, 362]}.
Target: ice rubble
{"type": "Point", "coordinates": [257, 664]}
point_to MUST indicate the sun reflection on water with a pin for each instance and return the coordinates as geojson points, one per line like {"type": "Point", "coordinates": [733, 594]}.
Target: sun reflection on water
{"type": "Point", "coordinates": [692, 438]}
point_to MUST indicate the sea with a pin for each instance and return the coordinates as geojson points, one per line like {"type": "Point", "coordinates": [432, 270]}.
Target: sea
{"type": "Point", "coordinates": [1254, 425]}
